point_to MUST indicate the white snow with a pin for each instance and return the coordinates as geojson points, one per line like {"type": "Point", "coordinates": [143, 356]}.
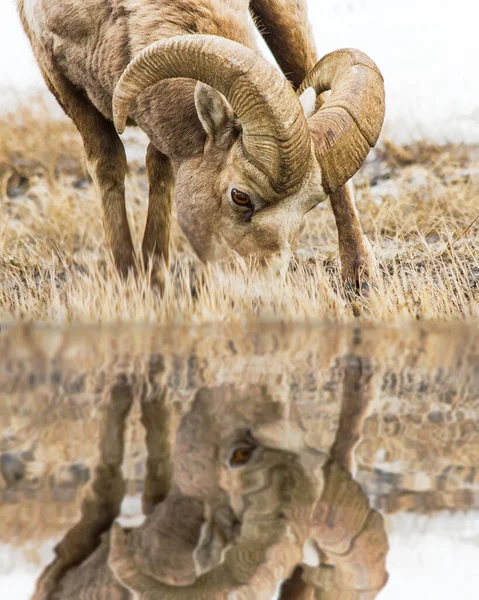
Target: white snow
{"type": "Point", "coordinates": [18, 68]}
{"type": "Point", "coordinates": [432, 557]}
{"type": "Point", "coordinates": [17, 573]}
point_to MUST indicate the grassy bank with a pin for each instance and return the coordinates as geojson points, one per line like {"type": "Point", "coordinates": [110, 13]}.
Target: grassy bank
{"type": "Point", "coordinates": [418, 205]}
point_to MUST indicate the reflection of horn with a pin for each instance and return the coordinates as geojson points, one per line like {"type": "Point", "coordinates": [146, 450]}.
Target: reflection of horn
{"type": "Point", "coordinates": [248, 569]}
{"type": "Point", "coordinates": [350, 535]}
{"type": "Point", "coordinates": [122, 563]}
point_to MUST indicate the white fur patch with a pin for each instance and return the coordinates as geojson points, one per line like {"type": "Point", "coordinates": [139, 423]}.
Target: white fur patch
{"type": "Point", "coordinates": [29, 8]}
{"type": "Point", "coordinates": [308, 101]}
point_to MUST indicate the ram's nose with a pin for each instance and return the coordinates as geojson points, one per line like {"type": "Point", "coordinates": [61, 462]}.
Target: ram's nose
{"type": "Point", "coordinates": [280, 223]}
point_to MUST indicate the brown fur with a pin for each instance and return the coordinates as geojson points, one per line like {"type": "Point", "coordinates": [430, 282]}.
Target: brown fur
{"type": "Point", "coordinates": [82, 49]}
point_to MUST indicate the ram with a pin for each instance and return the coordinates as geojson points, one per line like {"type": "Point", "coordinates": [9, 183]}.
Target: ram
{"type": "Point", "coordinates": [242, 502]}
{"type": "Point", "coordinates": [244, 152]}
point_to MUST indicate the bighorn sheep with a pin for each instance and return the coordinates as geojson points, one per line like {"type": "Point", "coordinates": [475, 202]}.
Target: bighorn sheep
{"type": "Point", "coordinates": [247, 503]}
{"type": "Point", "coordinates": [247, 160]}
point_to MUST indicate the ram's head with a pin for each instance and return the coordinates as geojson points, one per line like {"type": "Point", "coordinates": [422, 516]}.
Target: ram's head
{"type": "Point", "coordinates": [270, 155]}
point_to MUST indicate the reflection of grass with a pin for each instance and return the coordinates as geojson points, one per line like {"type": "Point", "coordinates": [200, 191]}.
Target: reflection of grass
{"type": "Point", "coordinates": [416, 203]}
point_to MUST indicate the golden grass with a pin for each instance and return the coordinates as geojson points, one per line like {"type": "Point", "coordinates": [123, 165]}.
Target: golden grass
{"type": "Point", "coordinates": [418, 206]}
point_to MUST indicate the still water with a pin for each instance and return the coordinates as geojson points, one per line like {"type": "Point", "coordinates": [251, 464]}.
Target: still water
{"type": "Point", "coordinates": [239, 463]}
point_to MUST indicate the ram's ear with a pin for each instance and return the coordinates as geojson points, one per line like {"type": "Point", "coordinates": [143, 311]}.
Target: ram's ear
{"type": "Point", "coordinates": [216, 115]}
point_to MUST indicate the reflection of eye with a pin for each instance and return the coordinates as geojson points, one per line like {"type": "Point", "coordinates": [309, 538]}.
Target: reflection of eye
{"type": "Point", "coordinates": [240, 198]}
{"type": "Point", "coordinates": [240, 457]}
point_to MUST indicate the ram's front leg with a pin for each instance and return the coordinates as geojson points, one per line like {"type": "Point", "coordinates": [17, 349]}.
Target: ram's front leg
{"type": "Point", "coordinates": [156, 239]}
{"type": "Point", "coordinates": [106, 161]}
{"type": "Point", "coordinates": [357, 259]}
{"type": "Point", "coordinates": [286, 29]}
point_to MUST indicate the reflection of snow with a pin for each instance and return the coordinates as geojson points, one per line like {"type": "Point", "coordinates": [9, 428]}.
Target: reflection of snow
{"type": "Point", "coordinates": [17, 573]}
{"type": "Point", "coordinates": [430, 557]}
{"type": "Point", "coordinates": [433, 557]}
{"type": "Point", "coordinates": [426, 50]}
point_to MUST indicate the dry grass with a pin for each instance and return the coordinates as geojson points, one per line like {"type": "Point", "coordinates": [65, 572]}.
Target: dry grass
{"type": "Point", "coordinates": [418, 206]}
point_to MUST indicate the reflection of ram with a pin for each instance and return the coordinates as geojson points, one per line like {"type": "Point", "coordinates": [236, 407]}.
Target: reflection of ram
{"type": "Point", "coordinates": [223, 123]}
{"type": "Point", "coordinates": [248, 501]}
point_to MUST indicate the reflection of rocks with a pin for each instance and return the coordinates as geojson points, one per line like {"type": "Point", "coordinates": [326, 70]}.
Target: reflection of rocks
{"type": "Point", "coordinates": [455, 488]}
{"type": "Point", "coordinates": [12, 467]}
{"type": "Point", "coordinates": [23, 478]}
{"type": "Point", "coordinates": [248, 501]}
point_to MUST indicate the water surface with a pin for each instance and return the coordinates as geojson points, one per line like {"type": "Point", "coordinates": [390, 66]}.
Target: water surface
{"type": "Point", "coordinates": [279, 461]}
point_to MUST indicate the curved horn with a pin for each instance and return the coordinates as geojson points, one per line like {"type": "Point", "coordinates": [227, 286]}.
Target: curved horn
{"type": "Point", "coordinates": [275, 132]}
{"type": "Point", "coordinates": [123, 565]}
{"type": "Point", "coordinates": [250, 568]}
{"type": "Point", "coordinates": [350, 534]}
{"type": "Point", "coordinates": [348, 124]}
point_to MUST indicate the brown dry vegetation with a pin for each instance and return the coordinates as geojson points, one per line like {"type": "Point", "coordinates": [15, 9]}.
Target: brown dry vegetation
{"type": "Point", "coordinates": [418, 205]}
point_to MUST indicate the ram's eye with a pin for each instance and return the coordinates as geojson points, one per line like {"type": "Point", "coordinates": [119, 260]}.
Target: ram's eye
{"type": "Point", "coordinates": [240, 457]}
{"type": "Point", "coordinates": [240, 198]}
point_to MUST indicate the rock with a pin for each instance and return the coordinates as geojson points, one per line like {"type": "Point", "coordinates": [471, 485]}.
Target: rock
{"type": "Point", "coordinates": [12, 467]}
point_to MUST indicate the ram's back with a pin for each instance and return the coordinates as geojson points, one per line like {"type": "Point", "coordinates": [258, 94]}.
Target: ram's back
{"type": "Point", "coordinates": [91, 42]}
